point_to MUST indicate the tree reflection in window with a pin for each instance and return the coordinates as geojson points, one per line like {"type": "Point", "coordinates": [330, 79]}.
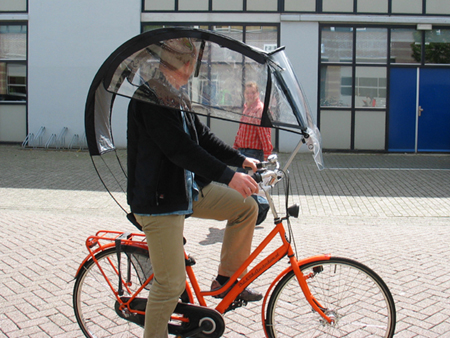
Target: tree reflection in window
{"type": "Point", "coordinates": [437, 47]}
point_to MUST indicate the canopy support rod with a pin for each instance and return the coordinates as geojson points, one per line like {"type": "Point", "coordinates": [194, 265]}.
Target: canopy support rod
{"type": "Point", "coordinates": [291, 158]}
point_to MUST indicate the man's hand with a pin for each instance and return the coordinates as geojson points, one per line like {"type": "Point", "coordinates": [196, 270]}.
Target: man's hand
{"type": "Point", "coordinates": [244, 184]}
{"type": "Point", "coordinates": [250, 163]}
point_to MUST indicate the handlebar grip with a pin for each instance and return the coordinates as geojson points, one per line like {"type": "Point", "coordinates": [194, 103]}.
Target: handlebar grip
{"type": "Point", "coordinates": [260, 165]}
{"type": "Point", "coordinates": [257, 177]}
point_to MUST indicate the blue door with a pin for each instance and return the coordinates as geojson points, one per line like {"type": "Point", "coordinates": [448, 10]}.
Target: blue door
{"type": "Point", "coordinates": [419, 115]}
{"type": "Point", "coordinates": [434, 110]}
{"type": "Point", "coordinates": [402, 110]}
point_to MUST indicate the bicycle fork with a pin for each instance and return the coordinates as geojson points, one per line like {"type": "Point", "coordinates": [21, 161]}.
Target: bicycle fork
{"type": "Point", "coordinates": [301, 278]}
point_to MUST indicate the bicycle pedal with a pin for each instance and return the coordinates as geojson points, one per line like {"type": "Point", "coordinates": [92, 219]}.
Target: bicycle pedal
{"type": "Point", "coordinates": [190, 261]}
{"type": "Point", "coordinates": [238, 302]}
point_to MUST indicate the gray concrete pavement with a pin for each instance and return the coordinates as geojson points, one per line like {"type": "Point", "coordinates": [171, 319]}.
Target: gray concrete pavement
{"type": "Point", "coordinates": [391, 212]}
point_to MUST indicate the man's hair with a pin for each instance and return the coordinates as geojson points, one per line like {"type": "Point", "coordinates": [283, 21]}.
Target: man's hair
{"type": "Point", "coordinates": [252, 84]}
{"type": "Point", "coordinates": [175, 53]}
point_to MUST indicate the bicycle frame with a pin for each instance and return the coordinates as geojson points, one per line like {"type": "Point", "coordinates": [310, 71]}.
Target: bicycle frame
{"type": "Point", "coordinates": [112, 239]}
{"type": "Point", "coordinates": [138, 240]}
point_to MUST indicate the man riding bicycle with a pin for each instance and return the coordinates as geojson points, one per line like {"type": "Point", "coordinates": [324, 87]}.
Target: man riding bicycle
{"type": "Point", "coordinates": [172, 160]}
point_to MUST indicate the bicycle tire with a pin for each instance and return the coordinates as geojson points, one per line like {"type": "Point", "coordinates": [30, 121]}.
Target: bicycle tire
{"type": "Point", "coordinates": [350, 291]}
{"type": "Point", "coordinates": [93, 299]}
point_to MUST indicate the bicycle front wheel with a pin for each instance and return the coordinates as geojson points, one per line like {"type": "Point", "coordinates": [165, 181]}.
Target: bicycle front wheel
{"type": "Point", "coordinates": [352, 294]}
{"type": "Point", "coordinates": [93, 299]}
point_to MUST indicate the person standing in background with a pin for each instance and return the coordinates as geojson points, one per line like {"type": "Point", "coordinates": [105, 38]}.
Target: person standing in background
{"type": "Point", "coordinates": [251, 140]}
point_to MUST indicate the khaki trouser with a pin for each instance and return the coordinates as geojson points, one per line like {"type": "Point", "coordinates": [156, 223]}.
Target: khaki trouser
{"type": "Point", "coordinates": [165, 241]}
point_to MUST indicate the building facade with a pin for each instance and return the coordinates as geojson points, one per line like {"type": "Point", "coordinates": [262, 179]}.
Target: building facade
{"type": "Point", "coordinates": [377, 73]}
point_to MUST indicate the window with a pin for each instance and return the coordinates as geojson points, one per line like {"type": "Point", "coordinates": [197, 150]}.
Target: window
{"type": "Point", "coordinates": [12, 82]}
{"type": "Point", "coordinates": [370, 87]}
{"type": "Point", "coordinates": [262, 5]}
{"type": "Point", "coordinates": [263, 37]}
{"type": "Point", "coordinates": [13, 42]}
{"type": "Point", "coordinates": [371, 45]}
{"type": "Point", "coordinates": [13, 5]}
{"type": "Point", "coordinates": [405, 45]}
{"type": "Point", "coordinates": [407, 6]}
{"type": "Point", "coordinates": [300, 6]}
{"type": "Point", "coordinates": [344, 6]}
{"type": "Point", "coordinates": [335, 86]}
{"type": "Point", "coordinates": [13, 52]}
{"type": "Point", "coordinates": [353, 85]}
{"type": "Point", "coordinates": [158, 5]}
{"type": "Point", "coordinates": [438, 7]}
{"type": "Point", "coordinates": [337, 44]}
{"type": "Point", "coordinates": [192, 5]}
{"type": "Point", "coordinates": [227, 5]}
{"type": "Point", "coordinates": [437, 46]}
{"type": "Point", "coordinates": [370, 6]}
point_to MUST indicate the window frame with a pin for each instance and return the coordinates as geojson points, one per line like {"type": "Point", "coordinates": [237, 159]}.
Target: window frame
{"type": "Point", "coordinates": [19, 11]}
{"type": "Point", "coordinates": [18, 61]}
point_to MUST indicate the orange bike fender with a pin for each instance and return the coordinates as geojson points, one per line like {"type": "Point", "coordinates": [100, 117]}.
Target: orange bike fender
{"type": "Point", "coordinates": [92, 254]}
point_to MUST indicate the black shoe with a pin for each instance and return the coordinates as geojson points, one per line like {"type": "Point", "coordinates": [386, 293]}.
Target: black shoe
{"type": "Point", "coordinates": [248, 294]}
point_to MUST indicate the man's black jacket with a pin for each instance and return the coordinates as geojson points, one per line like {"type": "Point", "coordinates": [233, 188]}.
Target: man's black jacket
{"type": "Point", "coordinates": [159, 150]}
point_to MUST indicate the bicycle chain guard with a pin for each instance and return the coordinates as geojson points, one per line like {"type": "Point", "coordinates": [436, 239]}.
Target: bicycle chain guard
{"type": "Point", "coordinates": [202, 322]}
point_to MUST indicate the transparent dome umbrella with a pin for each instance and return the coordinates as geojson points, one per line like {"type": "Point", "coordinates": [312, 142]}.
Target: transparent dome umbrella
{"type": "Point", "coordinates": [220, 68]}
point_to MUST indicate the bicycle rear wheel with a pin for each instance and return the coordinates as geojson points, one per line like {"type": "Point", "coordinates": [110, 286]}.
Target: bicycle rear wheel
{"type": "Point", "coordinates": [353, 294]}
{"type": "Point", "coordinates": [93, 299]}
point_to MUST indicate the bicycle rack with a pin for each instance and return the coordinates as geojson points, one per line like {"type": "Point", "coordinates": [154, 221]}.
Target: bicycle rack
{"type": "Point", "coordinates": [55, 141]}
{"type": "Point", "coordinates": [84, 142]}
{"type": "Point", "coordinates": [50, 141]}
{"type": "Point", "coordinates": [61, 139]}
{"type": "Point", "coordinates": [34, 141]}
{"type": "Point", "coordinates": [28, 140]}
{"type": "Point", "coordinates": [78, 142]}
{"type": "Point", "coordinates": [74, 143]}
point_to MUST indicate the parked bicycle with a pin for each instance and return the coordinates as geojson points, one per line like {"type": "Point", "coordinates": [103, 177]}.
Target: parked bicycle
{"type": "Point", "coordinates": [316, 296]}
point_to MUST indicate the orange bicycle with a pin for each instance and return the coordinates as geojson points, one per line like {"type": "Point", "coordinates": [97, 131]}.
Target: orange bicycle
{"type": "Point", "coordinates": [314, 297]}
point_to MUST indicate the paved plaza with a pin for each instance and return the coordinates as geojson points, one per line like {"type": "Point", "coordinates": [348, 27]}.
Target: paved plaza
{"type": "Point", "coordinates": [389, 211]}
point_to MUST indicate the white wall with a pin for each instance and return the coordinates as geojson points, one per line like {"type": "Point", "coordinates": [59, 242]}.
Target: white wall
{"type": "Point", "coordinates": [68, 42]}
{"type": "Point", "coordinates": [301, 40]}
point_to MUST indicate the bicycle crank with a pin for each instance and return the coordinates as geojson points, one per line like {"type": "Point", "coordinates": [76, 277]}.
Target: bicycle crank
{"type": "Point", "coordinates": [202, 322]}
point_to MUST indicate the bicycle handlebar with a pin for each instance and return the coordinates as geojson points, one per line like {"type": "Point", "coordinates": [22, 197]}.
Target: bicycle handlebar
{"type": "Point", "coordinates": [263, 172]}
{"type": "Point", "coordinates": [260, 175]}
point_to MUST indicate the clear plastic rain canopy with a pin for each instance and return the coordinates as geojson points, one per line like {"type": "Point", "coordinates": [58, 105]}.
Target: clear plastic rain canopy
{"type": "Point", "coordinates": [221, 66]}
